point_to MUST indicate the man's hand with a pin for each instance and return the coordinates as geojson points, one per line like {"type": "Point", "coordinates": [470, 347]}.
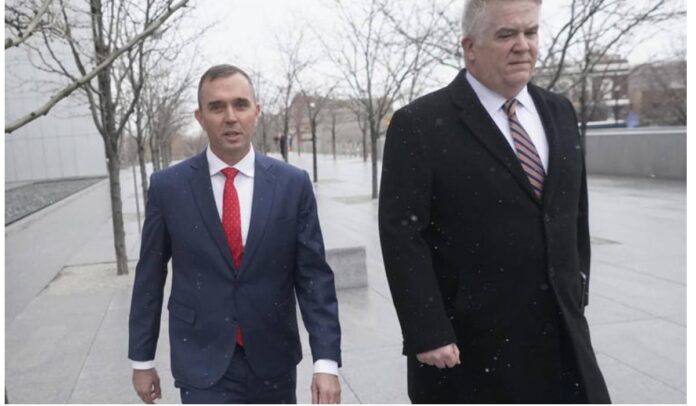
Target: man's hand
{"type": "Point", "coordinates": [447, 356]}
{"type": "Point", "coordinates": [147, 384]}
{"type": "Point", "coordinates": [326, 389]}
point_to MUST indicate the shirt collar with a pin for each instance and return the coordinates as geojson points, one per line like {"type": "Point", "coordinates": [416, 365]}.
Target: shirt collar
{"type": "Point", "coordinates": [245, 165]}
{"type": "Point", "coordinates": [493, 101]}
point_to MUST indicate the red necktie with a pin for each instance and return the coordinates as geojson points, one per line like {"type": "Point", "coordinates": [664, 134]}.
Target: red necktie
{"type": "Point", "coordinates": [232, 225]}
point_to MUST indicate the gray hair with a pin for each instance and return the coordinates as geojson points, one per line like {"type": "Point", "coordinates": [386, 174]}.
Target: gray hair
{"type": "Point", "coordinates": [472, 16]}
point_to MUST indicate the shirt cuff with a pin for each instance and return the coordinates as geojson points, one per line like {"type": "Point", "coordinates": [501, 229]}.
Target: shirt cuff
{"type": "Point", "coordinates": [143, 364]}
{"type": "Point", "coordinates": [326, 366]}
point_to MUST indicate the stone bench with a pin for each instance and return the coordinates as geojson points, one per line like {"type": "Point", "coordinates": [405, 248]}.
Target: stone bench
{"type": "Point", "coordinates": [349, 266]}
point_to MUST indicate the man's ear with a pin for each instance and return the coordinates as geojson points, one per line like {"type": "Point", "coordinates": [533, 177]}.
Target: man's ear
{"type": "Point", "coordinates": [468, 47]}
{"type": "Point", "coordinates": [197, 114]}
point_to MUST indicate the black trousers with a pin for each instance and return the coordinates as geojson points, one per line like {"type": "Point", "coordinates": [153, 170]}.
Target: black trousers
{"type": "Point", "coordinates": [240, 385]}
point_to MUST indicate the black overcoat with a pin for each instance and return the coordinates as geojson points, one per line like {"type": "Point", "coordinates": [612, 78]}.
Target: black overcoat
{"type": "Point", "coordinates": [473, 256]}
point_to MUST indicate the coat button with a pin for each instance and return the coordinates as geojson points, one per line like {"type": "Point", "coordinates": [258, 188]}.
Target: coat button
{"type": "Point", "coordinates": [544, 287]}
{"type": "Point", "coordinates": [552, 272]}
{"type": "Point", "coordinates": [547, 218]}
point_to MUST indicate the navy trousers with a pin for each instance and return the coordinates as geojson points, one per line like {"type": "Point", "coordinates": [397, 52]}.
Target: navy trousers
{"type": "Point", "coordinates": [240, 385]}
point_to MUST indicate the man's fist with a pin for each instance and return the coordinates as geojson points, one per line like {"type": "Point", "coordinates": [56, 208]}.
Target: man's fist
{"type": "Point", "coordinates": [326, 389]}
{"type": "Point", "coordinates": [147, 384]}
{"type": "Point", "coordinates": [447, 356]}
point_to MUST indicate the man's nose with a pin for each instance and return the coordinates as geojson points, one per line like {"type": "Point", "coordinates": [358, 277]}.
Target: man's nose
{"type": "Point", "coordinates": [230, 114]}
{"type": "Point", "coordinates": [521, 43]}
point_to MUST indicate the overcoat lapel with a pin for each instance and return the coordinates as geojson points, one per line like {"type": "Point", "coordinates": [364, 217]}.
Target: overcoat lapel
{"type": "Point", "coordinates": [482, 126]}
{"type": "Point", "coordinates": [262, 203]}
{"type": "Point", "coordinates": [552, 136]}
{"type": "Point", "coordinates": [203, 195]}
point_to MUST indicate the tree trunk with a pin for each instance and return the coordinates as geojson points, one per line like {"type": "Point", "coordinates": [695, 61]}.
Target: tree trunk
{"type": "Point", "coordinates": [583, 113]}
{"type": "Point", "coordinates": [374, 133]}
{"type": "Point", "coordinates": [264, 136]}
{"type": "Point", "coordinates": [313, 123]}
{"type": "Point", "coordinates": [143, 172]}
{"type": "Point", "coordinates": [333, 135]}
{"type": "Point", "coordinates": [166, 153]}
{"type": "Point", "coordinates": [364, 142]}
{"type": "Point", "coordinates": [154, 153]}
{"type": "Point", "coordinates": [114, 167]}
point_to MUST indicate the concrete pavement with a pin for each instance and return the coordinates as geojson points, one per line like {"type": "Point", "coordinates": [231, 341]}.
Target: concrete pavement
{"type": "Point", "coordinates": [66, 335]}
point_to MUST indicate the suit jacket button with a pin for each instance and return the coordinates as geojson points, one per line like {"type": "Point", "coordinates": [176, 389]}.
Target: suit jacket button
{"type": "Point", "coordinates": [552, 272]}
{"type": "Point", "coordinates": [547, 218]}
{"type": "Point", "coordinates": [544, 287]}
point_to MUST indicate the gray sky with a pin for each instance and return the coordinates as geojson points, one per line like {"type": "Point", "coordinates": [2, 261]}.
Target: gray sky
{"type": "Point", "coordinates": [247, 30]}
{"type": "Point", "coordinates": [248, 27]}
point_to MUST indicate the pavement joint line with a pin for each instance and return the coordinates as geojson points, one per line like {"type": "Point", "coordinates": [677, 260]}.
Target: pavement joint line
{"type": "Point", "coordinates": [624, 363]}
{"type": "Point", "coordinates": [380, 294]}
{"type": "Point", "coordinates": [612, 323]}
{"type": "Point", "coordinates": [641, 273]}
{"type": "Point", "coordinates": [372, 347]}
{"type": "Point", "coordinates": [91, 344]}
{"type": "Point", "coordinates": [130, 262]}
{"type": "Point", "coordinates": [657, 316]}
{"type": "Point", "coordinates": [350, 387]}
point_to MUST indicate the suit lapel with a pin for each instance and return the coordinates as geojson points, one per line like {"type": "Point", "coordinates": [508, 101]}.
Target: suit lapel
{"type": "Point", "coordinates": [482, 126]}
{"type": "Point", "coordinates": [552, 173]}
{"type": "Point", "coordinates": [262, 202]}
{"type": "Point", "coordinates": [205, 200]}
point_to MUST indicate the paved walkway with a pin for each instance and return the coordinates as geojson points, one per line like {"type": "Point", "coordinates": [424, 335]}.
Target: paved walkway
{"type": "Point", "coordinates": [66, 334]}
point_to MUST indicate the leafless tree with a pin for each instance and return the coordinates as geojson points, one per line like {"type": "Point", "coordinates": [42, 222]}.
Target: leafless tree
{"type": "Point", "coordinates": [660, 89]}
{"type": "Point", "coordinates": [167, 115]}
{"type": "Point", "coordinates": [595, 31]}
{"type": "Point", "coordinates": [24, 20]}
{"type": "Point", "coordinates": [374, 63]}
{"type": "Point", "coordinates": [268, 95]}
{"type": "Point", "coordinates": [161, 107]}
{"type": "Point", "coordinates": [94, 35]}
{"type": "Point", "coordinates": [314, 100]}
{"type": "Point", "coordinates": [430, 31]}
{"type": "Point", "coordinates": [83, 77]}
{"type": "Point", "coordinates": [293, 64]}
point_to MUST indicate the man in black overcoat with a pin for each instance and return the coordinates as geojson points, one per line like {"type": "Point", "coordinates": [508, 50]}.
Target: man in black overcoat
{"type": "Point", "coordinates": [483, 222]}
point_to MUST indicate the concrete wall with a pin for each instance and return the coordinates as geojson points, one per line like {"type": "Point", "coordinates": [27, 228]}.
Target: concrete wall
{"type": "Point", "coordinates": [658, 152]}
{"type": "Point", "coordinates": [64, 143]}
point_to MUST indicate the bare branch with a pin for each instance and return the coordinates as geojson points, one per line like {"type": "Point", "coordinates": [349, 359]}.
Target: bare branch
{"type": "Point", "coordinates": [31, 27]}
{"type": "Point", "coordinates": [43, 110]}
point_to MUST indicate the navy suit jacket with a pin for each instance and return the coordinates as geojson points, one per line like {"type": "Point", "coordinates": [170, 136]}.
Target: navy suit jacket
{"type": "Point", "coordinates": [283, 262]}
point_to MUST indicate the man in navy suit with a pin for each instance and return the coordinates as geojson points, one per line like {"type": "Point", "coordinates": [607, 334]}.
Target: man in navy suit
{"type": "Point", "coordinates": [243, 235]}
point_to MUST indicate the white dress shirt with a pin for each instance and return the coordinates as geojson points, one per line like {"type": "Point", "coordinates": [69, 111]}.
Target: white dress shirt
{"type": "Point", "coordinates": [244, 183]}
{"type": "Point", "coordinates": [526, 113]}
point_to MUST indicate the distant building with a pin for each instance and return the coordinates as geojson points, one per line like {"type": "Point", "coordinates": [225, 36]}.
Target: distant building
{"type": "Point", "coordinates": [658, 92]}
{"type": "Point", "coordinates": [606, 88]}
{"type": "Point", "coordinates": [618, 94]}
{"type": "Point", "coordinates": [335, 115]}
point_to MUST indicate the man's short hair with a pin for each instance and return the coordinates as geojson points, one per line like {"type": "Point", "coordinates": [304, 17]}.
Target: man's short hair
{"type": "Point", "coordinates": [472, 17]}
{"type": "Point", "coordinates": [223, 71]}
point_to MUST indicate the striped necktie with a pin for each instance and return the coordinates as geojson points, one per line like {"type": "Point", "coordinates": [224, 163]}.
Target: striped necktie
{"type": "Point", "coordinates": [526, 151]}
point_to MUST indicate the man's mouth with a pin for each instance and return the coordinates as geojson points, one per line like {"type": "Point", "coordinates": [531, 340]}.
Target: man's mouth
{"type": "Point", "coordinates": [231, 133]}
